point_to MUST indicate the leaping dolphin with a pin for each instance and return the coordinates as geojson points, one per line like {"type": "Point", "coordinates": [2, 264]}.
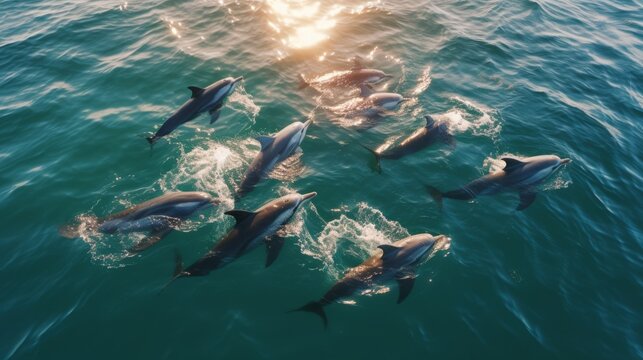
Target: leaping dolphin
{"type": "Point", "coordinates": [397, 261]}
{"type": "Point", "coordinates": [159, 216]}
{"type": "Point", "coordinates": [520, 175]}
{"type": "Point", "coordinates": [274, 149]}
{"type": "Point", "coordinates": [252, 228]}
{"type": "Point", "coordinates": [420, 139]}
{"type": "Point", "coordinates": [210, 99]}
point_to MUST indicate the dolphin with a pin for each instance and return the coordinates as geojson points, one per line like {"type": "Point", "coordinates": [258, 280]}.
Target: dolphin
{"type": "Point", "coordinates": [423, 137]}
{"type": "Point", "coordinates": [398, 261]}
{"type": "Point", "coordinates": [356, 76]}
{"type": "Point", "coordinates": [158, 216]}
{"type": "Point", "coordinates": [520, 175]}
{"type": "Point", "coordinates": [369, 104]}
{"type": "Point", "coordinates": [274, 149]}
{"type": "Point", "coordinates": [210, 99]}
{"type": "Point", "coordinates": [345, 78]}
{"type": "Point", "coordinates": [252, 228]}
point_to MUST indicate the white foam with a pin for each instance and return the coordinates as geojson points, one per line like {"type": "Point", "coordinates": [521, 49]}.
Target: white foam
{"type": "Point", "coordinates": [363, 227]}
{"type": "Point", "coordinates": [467, 116]}
{"type": "Point", "coordinates": [205, 168]}
{"type": "Point", "coordinates": [424, 81]}
{"type": "Point", "coordinates": [242, 101]}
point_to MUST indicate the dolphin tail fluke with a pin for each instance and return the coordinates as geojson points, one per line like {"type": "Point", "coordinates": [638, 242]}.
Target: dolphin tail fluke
{"type": "Point", "coordinates": [315, 307]}
{"type": "Point", "coordinates": [435, 194]}
{"type": "Point", "coordinates": [302, 83]}
{"type": "Point", "coordinates": [178, 270]}
{"type": "Point", "coordinates": [378, 158]}
{"type": "Point", "coordinates": [82, 225]}
{"type": "Point", "coordinates": [69, 231]}
{"type": "Point", "coordinates": [151, 139]}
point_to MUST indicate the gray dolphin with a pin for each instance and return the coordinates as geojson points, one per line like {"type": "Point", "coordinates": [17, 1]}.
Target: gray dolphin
{"type": "Point", "coordinates": [370, 103]}
{"type": "Point", "coordinates": [252, 228]}
{"type": "Point", "coordinates": [274, 149]}
{"type": "Point", "coordinates": [420, 139]}
{"type": "Point", "coordinates": [345, 78]}
{"type": "Point", "coordinates": [520, 175]}
{"type": "Point", "coordinates": [356, 76]}
{"type": "Point", "coordinates": [158, 216]}
{"type": "Point", "coordinates": [398, 261]}
{"type": "Point", "coordinates": [210, 99]}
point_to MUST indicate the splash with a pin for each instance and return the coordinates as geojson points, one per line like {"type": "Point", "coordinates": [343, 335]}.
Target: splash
{"type": "Point", "coordinates": [466, 116]}
{"type": "Point", "coordinates": [423, 82]}
{"type": "Point", "coordinates": [205, 168]}
{"type": "Point", "coordinates": [360, 231]}
{"type": "Point", "coordinates": [241, 101]}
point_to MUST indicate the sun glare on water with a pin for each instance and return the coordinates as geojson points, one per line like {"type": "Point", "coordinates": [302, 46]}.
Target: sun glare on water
{"type": "Point", "coordinates": [301, 24]}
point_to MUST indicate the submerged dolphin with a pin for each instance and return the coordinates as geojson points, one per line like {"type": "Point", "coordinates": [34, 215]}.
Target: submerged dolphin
{"type": "Point", "coordinates": [420, 139]}
{"type": "Point", "coordinates": [345, 78]}
{"type": "Point", "coordinates": [274, 149]}
{"type": "Point", "coordinates": [210, 99]}
{"type": "Point", "coordinates": [252, 228]}
{"type": "Point", "coordinates": [354, 77]}
{"type": "Point", "coordinates": [369, 104]}
{"type": "Point", "coordinates": [158, 216]}
{"type": "Point", "coordinates": [398, 261]}
{"type": "Point", "coordinates": [520, 175]}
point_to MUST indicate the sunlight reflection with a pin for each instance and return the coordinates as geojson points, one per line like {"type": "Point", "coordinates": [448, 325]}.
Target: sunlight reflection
{"type": "Point", "coordinates": [302, 24]}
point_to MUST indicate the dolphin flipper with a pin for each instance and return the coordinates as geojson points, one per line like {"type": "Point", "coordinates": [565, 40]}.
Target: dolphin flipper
{"type": "Point", "coordinates": [365, 90]}
{"type": "Point", "coordinates": [273, 247]}
{"type": "Point", "coordinates": [405, 284]}
{"type": "Point", "coordinates": [154, 237]}
{"type": "Point", "coordinates": [527, 197]}
{"type": "Point", "coordinates": [214, 115]}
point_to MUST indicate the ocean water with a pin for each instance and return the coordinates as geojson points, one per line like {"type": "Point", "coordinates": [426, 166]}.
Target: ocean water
{"type": "Point", "coordinates": [83, 82]}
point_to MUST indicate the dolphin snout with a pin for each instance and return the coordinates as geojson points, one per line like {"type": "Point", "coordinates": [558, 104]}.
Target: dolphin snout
{"type": "Point", "coordinates": [307, 123]}
{"type": "Point", "coordinates": [565, 161]}
{"type": "Point", "coordinates": [387, 76]}
{"type": "Point", "coordinates": [237, 79]}
{"type": "Point", "coordinates": [309, 196]}
{"type": "Point", "coordinates": [405, 99]}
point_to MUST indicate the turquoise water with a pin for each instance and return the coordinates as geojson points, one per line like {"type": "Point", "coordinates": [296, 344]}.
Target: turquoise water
{"type": "Point", "coordinates": [82, 84]}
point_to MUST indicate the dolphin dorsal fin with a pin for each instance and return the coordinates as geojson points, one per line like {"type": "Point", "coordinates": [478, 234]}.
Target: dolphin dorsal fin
{"type": "Point", "coordinates": [357, 63]}
{"type": "Point", "coordinates": [265, 141]}
{"type": "Point", "coordinates": [429, 121]}
{"type": "Point", "coordinates": [196, 91]}
{"type": "Point", "coordinates": [240, 215]}
{"type": "Point", "coordinates": [365, 90]}
{"type": "Point", "coordinates": [511, 164]}
{"type": "Point", "coordinates": [388, 251]}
